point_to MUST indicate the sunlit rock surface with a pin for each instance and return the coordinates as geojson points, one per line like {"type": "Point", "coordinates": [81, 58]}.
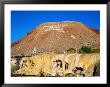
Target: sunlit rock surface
{"type": "Point", "coordinates": [75, 65]}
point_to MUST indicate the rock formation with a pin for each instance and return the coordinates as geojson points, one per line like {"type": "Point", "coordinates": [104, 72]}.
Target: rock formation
{"type": "Point", "coordinates": [75, 65]}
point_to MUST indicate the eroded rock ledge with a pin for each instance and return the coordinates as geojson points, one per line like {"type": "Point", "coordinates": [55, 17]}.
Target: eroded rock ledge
{"type": "Point", "coordinates": [75, 65]}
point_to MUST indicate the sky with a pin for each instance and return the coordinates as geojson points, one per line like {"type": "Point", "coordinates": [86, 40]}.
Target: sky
{"type": "Point", "coordinates": [23, 22]}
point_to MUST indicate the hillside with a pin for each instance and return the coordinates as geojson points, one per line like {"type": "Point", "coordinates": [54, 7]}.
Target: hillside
{"type": "Point", "coordinates": [56, 37]}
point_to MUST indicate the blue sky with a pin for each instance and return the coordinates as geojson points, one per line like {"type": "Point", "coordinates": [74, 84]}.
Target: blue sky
{"type": "Point", "coordinates": [23, 22]}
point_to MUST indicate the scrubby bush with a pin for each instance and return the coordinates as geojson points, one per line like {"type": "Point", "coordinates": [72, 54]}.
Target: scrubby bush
{"type": "Point", "coordinates": [71, 50]}
{"type": "Point", "coordinates": [95, 50]}
{"type": "Point", "coordinates": [85, 49]}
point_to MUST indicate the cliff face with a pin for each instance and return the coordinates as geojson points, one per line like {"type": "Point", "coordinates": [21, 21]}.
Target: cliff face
{"type": "Point", "coordinates": [56, 37]}
{"type": "Point", "coordinates": [75, 65]}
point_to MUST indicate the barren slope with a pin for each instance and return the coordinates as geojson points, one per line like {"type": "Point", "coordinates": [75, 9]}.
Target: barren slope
{"type": "Point", "coordinates": [57, 37]}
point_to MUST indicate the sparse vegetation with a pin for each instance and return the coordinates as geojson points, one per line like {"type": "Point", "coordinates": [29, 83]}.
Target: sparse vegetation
{"type": "Point", "coordinates": [95, 50]}
{"type": "Point", "coordinates": [85, 49]}
{"type": "Point", "coordinates": [71, 50]}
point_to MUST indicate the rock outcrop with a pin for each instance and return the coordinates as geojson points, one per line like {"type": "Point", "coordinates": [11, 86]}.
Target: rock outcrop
{"type": "Point", "coordinates": [75, 65]}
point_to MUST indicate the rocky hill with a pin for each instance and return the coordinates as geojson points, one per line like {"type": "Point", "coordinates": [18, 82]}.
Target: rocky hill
{"type": "Point", "coordinates": [56, 37]}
